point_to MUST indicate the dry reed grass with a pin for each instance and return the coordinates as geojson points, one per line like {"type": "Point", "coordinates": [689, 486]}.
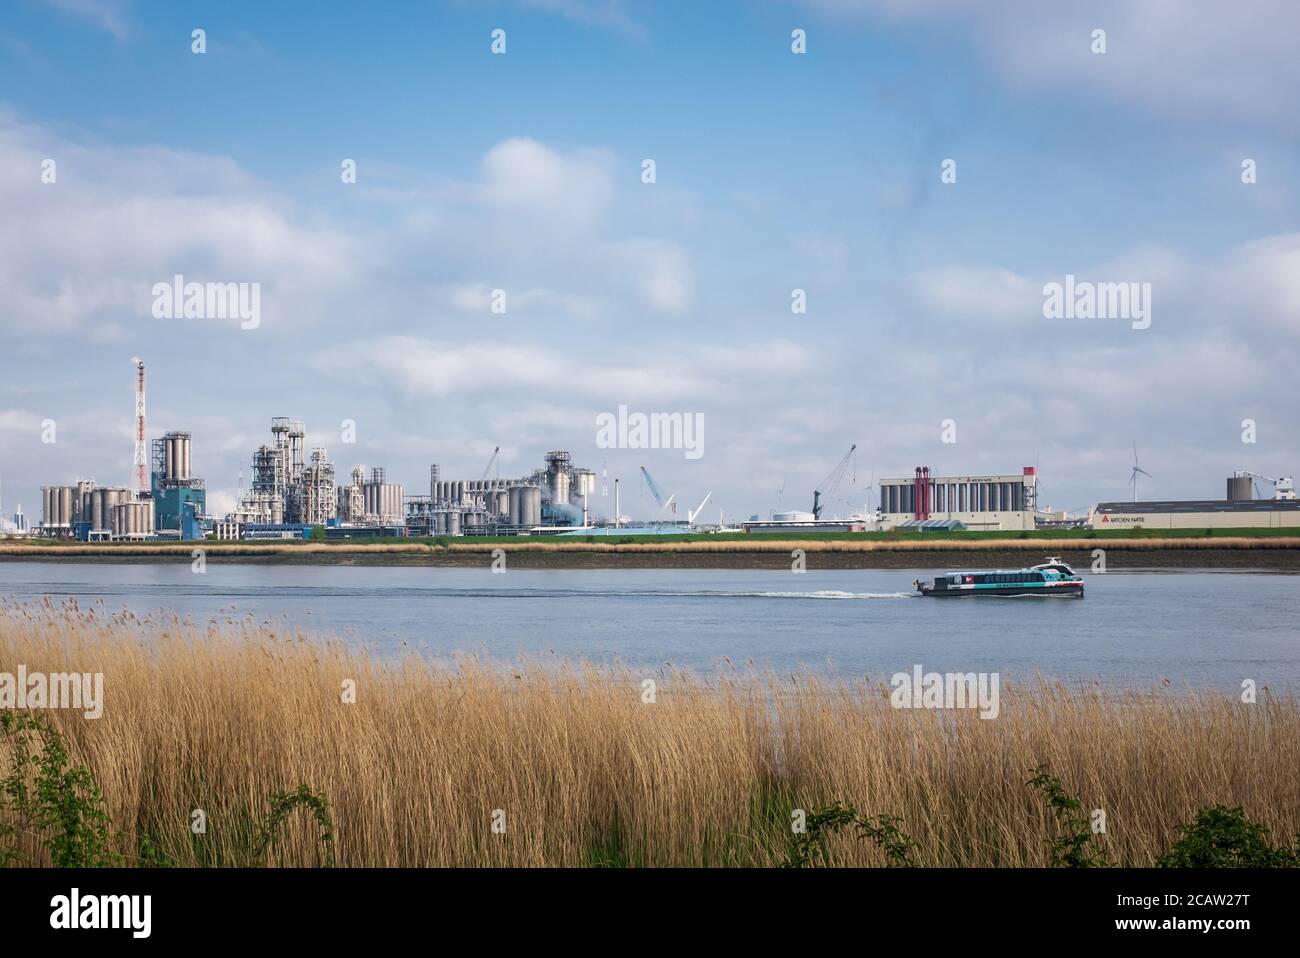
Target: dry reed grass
{"type": "Point", "coordinates": [216, 716]}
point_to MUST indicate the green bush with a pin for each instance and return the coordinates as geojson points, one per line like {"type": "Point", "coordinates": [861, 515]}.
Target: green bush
{"type": "Point", "coordinates": [1223, 837]}
{"type": "Point", "coordinates": [883, 831]}
{"type": "Point", "coordinates": [50, 798]}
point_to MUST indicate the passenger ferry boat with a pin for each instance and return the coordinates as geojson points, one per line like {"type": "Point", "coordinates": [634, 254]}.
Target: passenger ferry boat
{"type": "Point", "coordinates": [1050, 578]}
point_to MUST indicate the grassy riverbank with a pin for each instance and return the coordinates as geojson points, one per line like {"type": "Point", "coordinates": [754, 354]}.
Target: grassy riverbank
{"type": "Point", "coordinates": [585, 771]}
{"type": "Point", "coordinates": [1264, 549]}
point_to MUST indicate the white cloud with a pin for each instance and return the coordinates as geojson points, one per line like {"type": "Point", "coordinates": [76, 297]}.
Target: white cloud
{"type": "Point", "coordinates": [424, 369]}
{"type": "Point", "coordinates": [1252, 290]}
{"type": "Point", "coordinates": [997, 295]}
{"type": "Point", "coordinates": [86, 250]}
{"type": "Point", "coordinates": [1176, 56]}
{"type": "Point", "coordinates": [107, 15]}
{"type": "Point", "coordinates": [659, 271]}
{"type": "Point", "coordinates": [611, 14]}
{"type": "Point", "coordinates": [521, 177]}
{"type": "Point", "coordinates": [476, 299]}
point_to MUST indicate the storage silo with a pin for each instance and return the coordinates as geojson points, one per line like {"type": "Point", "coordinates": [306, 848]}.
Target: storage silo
{"type": "Point", "coordinates": [530, 506]}
{"type": "Point", "coordinates": [453, 523]}
{"type": "Point", "coordinates": [1240, 489]}
{"type": "Point", "coordinates": [560, 488]}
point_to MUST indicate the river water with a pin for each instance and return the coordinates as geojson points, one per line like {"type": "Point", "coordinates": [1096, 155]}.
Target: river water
{"type": "Point", "coordinates": [1192, 628]}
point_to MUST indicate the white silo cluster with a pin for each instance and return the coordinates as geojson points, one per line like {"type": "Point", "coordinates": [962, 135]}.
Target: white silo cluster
{"type": "Point", "coordinates": [553, 495]}
{"type": "Point", "coordinates": [64, 507]}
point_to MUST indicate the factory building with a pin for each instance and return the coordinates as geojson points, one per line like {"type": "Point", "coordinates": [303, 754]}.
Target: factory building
{"type": "Point", "coordinates": [173, 505]}
{"type": "Point", "coordinates": [179, 497]}
{"type": "Point", "coordinates": [1003, 502]}
{"type": "Point", "coordinates": [315, 499]}
{"type": "Point", "coordinates": [1241, 509]}
{"type": "Point", "coordinates": [551, 497]}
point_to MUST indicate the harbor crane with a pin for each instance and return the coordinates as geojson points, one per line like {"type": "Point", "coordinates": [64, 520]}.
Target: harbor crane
{"type": "Point", "coordinates": [831, 482]}
{"type": "Point", "coordinates": [492, 462]}
{"type": "Point", "coordinates": [690, 516]}
{"type": "Point", "coordinates": [658, 494]}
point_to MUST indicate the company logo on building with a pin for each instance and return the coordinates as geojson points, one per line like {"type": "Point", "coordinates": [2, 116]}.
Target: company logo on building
{"type": "Point", "coordinates": [181, 300]}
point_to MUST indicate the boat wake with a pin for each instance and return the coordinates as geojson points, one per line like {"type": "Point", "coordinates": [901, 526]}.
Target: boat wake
{"type": "Point", "coordinates": [828, 594]}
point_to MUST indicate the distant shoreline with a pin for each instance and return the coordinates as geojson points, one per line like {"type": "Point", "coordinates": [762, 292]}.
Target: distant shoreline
{"type": "Point", "coordinates": [1273, 553]}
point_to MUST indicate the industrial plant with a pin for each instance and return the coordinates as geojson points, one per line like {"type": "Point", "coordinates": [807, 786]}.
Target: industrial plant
{"type": "Point", "coordinates": [1242, 509]}
{"type": "Point", "coordinates": [290, 496]}
{"type": "Point", "coordinates": [1002, 502]}
{"type": "Point", "coordinates": [296, 495]}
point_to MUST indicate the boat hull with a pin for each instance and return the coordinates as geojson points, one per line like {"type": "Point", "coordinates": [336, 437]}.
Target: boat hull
{"type": "Point", "coordinates": [1066, 590]}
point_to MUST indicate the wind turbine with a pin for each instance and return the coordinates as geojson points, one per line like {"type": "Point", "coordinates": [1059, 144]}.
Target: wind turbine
{"type": "Point", "coordinates": [1137, 471]}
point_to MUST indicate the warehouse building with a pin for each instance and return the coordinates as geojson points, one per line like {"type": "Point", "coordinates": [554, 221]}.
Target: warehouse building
{"type": "Point", "coordinates": [980, 503]}
{"type": "Point", "coordinates": [1240, 510]}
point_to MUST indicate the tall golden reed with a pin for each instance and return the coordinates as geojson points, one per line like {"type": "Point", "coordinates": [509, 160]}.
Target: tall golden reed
{"type": "Point", "coordinates": [218, 715]}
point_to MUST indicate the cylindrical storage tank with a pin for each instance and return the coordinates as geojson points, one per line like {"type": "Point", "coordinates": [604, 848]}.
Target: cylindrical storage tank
{"type": "Point", "coordinates": [65, 504]}
{"type": "Point", "coordinates": [560, 489]}
{"type": "Point", "coordinates": [514, 497]}
{"type": "Point", "coordinates": [97, 508]}
{"type": "Point", "coordinates": [185, 457]}
{"type": "Point", "coordinates": [169, 457]}
{"type": "Point", "coordinates": [459, 494]}
{"type": "Point", "coordinates": [277, 510]}
{"type": "Point", "coordinates": [473, 519]}
{"type": "Point", "coordinates": [453, 523]}
{"type": "Point", "coordinates": [502, 505]}
{"type": "Point", "coordinates": [1240, 489]}
{"type": "Point", "coordinates": [530, 506]}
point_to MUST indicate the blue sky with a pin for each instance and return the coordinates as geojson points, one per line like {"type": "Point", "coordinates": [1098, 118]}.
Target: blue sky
{"type": "Point", "coordinates": [775, 171]}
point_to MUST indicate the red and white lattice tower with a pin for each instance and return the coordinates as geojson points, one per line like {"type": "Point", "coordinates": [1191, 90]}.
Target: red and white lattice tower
{"type": "Point", "coordinates": [141, 454]}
